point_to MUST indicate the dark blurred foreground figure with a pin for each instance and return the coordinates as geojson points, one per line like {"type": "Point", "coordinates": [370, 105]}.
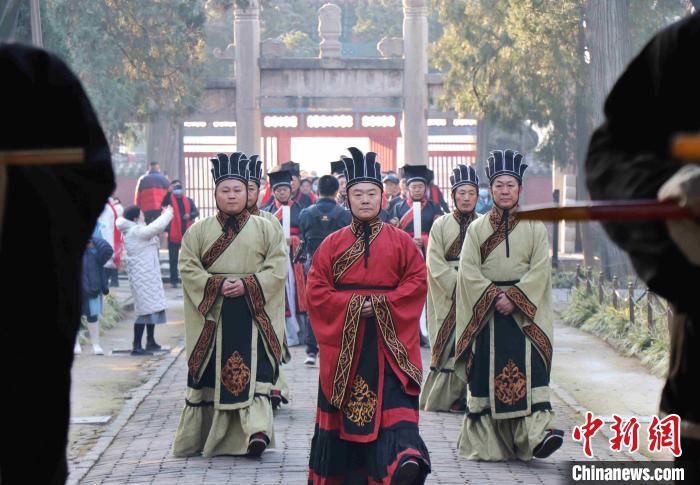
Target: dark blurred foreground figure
{"type": "Point", "coordinates": [654, 99]}
{"type": "Point", "coordinates": [44, 106]}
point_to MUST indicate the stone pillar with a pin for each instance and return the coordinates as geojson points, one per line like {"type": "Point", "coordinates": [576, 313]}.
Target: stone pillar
{"type": "Point", "coordinates": [415, 88]}
{"type": "Point", "coordinates": [329, 30]}
{"type": "Point", "coordinates": [246, 32]}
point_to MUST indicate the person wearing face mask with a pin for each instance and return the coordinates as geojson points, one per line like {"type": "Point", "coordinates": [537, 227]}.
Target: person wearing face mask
{"type": "Point", "coordinates": [366, 290]}
{"type": "Point", "coordinates": [233, 268]}
{"type": "Point", "coordinates": [484, 203]}
{"type": "Point", "coordinates": [443, 390]}
{"type": "Point", "coordinates": [142, 244]}
{"type": "Point", "coordinates": [504, 330]}
{"type": "Point", "coordinates": [184, 214]}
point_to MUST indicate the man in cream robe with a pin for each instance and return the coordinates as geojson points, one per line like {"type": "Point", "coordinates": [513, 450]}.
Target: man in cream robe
{"type": "Point", "coordinates": [443, 390]}
{"type": "Point", "coordinates": [233, 268]}
{"type": "Point", "coordinates": [504, 327]}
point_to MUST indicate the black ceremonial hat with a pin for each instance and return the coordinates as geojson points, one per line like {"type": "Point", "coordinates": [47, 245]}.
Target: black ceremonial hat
{"type": "Point", "coordinates": [280, 178]}
{"type": "Point", "coordinates": [292, 167]}
{"type": "Point", "coordinates": [255, 169]}
{"type": "Point", "coordinates": [463, 175]}
{"type": "Point", "coordinates": [415, 173]}
{"type": "Point", "coordinates": [226, 167]}
{"type": "Point", "coordinates": [338, 168]}
{"type": "Point", "coordinates": [505, 162]}
{"type": "Point", "coordinates": [362, 168]}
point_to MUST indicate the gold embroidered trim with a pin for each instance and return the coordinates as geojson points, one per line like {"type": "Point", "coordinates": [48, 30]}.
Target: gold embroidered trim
{"type": "Point", "coordinates": [235, 375]}
{"type": "Point", "coordinates": [201, 348]}
{"type": "Point", "coordinates": [361, 407]}
{"type": "Point", "coordinates": [455, 249]}
{"type": "Point", "coordinates": [541, 341]}
{"type": "Point", "coordinates": [256, 302]}
{"type": "Point", "coordinates": [510, 385]}
{"type": "Point", "coordinates": [351, 255]}
{"type": "Point", "coordinates": [211, 293]}
{"type": "Point", "coordinates": [446, 330]}
{"type": "Point", "coordinates": [481, 307]}
{"type": "Point", "coordinates": [521, 300]}
{"type": "Point", "coordinates": [225, 240]}
{"type": "Point", "coordinates": [347, 350]}
{"type": "Point", "coordinates": [498, 236]}
{"type": "Point", "coordinates": [397, 349]}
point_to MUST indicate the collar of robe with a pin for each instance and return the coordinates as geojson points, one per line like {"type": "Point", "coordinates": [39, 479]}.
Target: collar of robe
{"type": "Point", "coordinates": [463, 219]}
{"type": "Point", "coordinates": [254, 210]}
{"type": "Point", "coordinates": [233, 221]}
{"type": "Point", "coordinates": [502, 220]}
{"type": "Point", "coordinates": [363, 229]}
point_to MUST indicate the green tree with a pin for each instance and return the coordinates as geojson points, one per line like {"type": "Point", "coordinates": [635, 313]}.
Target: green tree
{"type": "Point", "coordinates": [300, 44]}
{"type": "Point", "coordinates": [516, 60]}
{"type": "Point", "coordinates": [384, 18]}
{"type": "Point", "coordinates": [138, 61]}
{"type": "Point", "coordinates": [548, 62]}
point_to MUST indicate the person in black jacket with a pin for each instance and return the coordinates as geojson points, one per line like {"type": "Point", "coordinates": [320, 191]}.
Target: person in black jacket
{"type": "Point", "coordinates": [315, 223]}
{"type": "Point", "coordinates": [95, 284]}
{"type": "Point", "coordinates": [629, 158]}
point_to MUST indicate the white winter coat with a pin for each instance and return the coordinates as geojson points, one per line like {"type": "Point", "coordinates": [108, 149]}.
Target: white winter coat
{"type": "Point", "coordinates": [142, 243]}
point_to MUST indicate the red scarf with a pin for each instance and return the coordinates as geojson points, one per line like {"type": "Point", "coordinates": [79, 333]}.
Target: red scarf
{"type": "Point", "coordinates": [176, 231]}
{"type": "Point", "coordinates": [117, 238]}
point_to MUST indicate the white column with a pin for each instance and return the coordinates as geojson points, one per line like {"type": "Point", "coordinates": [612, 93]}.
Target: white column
{"type": "Point", "coordinates": [247, 40]}
{"type": "Point", "coordinates": [415, 87]}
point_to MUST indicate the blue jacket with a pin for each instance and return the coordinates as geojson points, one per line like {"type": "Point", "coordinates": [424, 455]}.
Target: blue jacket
{"type": "Point", "coordinates": [94, 275]}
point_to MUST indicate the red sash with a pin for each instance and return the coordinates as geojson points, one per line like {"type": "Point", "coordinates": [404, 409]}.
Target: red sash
{"type": "Point", "coordinates": [176, 231]}
{"type": "Point", "coordinates": [407, 218]}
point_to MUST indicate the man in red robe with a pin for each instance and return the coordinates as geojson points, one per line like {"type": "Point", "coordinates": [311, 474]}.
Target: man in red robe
{"type": "Point", "coordinates": [366, 290]}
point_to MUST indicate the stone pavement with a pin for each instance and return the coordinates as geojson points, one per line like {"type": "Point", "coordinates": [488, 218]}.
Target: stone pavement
{"type": "Point", "coordinates": [140, 451]}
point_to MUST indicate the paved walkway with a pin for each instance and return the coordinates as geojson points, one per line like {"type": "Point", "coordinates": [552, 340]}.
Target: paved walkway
{"type": "Point", "coordinates": [140, 451]}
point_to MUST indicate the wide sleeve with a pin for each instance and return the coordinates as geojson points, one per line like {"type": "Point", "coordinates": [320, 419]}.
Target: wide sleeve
{"type": "Point", "coordinates": [202, 290]}
{"type": "Point", "coordinates": [398, 313]}
{"type": "Point", "coordinates": [265, 291]}
{"type": "Point", "coordinates": [335, 320]}
{"type": "Point", "coordinates": [628, 157]}
{"type": "Point", "coordinates": [535, 287]}
{"type": "Point", "coordinates": [475, 296]}
{"type": "Point", "coordinates": [441, 275]}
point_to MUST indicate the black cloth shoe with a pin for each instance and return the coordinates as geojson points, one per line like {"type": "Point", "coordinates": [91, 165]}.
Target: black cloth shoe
{"type": "Point", "coordinates": [139, 351]}
{"type": "Point", "coordinates": [275, 399]}
{"type": "Point", "coordinates": [407, 474]}
{"type": "Point", "coordinates": [552, 442]}
{"type": "Point", "coordinates": [258, 443]}
{"type": "Point", "coordinates": [152, 346]}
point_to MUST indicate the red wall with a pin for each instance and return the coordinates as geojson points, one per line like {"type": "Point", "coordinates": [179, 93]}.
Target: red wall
{"type": "Point", "coordinates": [126, 187]}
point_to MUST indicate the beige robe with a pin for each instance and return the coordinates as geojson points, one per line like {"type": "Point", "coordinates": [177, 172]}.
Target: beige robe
{"type": "Point", "coordinates": [442, 387]}
{"type": "Point", "coordinates": [506, 361]}
{"type": "Point", "coordinates": [220, 418]}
